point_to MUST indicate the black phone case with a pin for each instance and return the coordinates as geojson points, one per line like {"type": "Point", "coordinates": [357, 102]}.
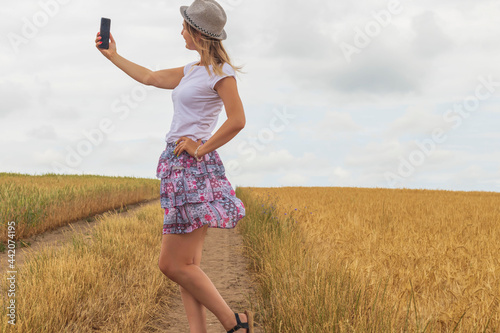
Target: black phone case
{"type": "Point", "coordinates": [105, 28]}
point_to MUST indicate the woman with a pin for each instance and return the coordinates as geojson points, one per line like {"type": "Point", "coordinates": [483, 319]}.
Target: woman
{"type": "Point", "coordinates": [195, 192]}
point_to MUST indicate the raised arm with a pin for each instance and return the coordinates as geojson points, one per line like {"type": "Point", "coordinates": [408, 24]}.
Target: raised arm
{"type": "Point", "coordinates": [166, 78]}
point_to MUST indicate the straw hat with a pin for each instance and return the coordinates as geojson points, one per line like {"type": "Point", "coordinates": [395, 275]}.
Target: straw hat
{"type": "Point", "coordinates": [206, 16]}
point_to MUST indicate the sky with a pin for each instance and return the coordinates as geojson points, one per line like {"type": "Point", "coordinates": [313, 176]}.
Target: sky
{"type": "Point", "coordinates": [379, 94]}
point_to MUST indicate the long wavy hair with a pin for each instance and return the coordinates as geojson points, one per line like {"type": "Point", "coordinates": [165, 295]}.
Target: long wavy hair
{"type": "Point", "coordinates": [211, 50]}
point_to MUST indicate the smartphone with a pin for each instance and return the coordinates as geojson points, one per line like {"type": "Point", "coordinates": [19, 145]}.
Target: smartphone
{"type": "Point", "coordinates": [105, 27]}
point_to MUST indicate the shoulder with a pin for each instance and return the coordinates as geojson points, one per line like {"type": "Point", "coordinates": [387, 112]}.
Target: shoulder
{"type": "Point", "coordinates": [188, 66]}
{"type": "Point", "coordinates": [227, 69]}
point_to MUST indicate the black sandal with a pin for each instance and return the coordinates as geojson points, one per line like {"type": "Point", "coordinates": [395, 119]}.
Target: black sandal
{"type": "Point", "coordinates": [248, 325]}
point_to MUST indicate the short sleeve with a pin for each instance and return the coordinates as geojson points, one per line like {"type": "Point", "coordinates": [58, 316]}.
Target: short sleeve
{"type": "Point", "coordinates": [228, 71]}
{"type": "Point", "coordinates": [188, 66]}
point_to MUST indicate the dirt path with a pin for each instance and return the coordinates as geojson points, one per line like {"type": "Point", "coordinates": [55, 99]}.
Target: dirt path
{"type": "Point", "coordinates": [59, 236]}
{"type": "Point", "coordinates": [222, 261]}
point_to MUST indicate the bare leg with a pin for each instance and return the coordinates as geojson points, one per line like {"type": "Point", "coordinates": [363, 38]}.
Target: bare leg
{"type": "Point", "coordinates": [177, 262]}
{"type": "Point", "coordinates": [195, 311]}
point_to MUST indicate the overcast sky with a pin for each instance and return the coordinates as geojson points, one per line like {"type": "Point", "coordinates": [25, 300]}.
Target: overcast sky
{"type": "Point", "coordinates": [336, 93]}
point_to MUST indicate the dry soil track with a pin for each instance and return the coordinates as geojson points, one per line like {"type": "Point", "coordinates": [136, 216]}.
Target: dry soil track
{"type": "Point", "coordinates": [223, 262]}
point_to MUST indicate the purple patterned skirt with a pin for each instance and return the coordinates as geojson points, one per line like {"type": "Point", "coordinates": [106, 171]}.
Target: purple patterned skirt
{"type": "Point", "coordinates": [196, 193]}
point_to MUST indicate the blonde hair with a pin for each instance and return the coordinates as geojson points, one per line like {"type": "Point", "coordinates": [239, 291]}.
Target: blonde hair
{"type": "Point", "coordinates": [211, 50]}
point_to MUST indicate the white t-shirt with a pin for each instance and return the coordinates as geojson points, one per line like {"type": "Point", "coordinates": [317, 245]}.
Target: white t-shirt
{"type": "Point", "coordinates": [196, 104]}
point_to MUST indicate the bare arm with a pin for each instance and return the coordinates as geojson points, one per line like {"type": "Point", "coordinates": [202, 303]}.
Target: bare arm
{"type": "Point", "coordinates": [228, 91]}
{"type": "Point", "coordinates": [166, 78]}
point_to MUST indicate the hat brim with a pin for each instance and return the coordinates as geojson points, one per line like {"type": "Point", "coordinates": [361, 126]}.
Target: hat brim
{"type": "Point", "coordinates": [223, 36]}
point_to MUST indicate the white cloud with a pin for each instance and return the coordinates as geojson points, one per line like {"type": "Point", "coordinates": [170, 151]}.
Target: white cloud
{"type": "Point", "coordinates": [420, 119]}
{"type": "Point", "coordinates": [47, 156]}
{"type": "Point", "coordinates": [476, 178]}
{"type": "Point", "coordinates": [44, 132]}
{"type": "Point", "coordinates": [378, 155]}
{"type": "Point", "coordinates": [293, 179]}
{"type": "Point", "coordinates": [338, 122]}
{"type": "Point", "coordinates": [340, 177]}
{"type": "Point", "coordinates": [430, 39]}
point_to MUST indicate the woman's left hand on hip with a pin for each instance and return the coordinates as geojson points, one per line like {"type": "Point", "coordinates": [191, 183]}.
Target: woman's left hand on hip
{"type": "Point", "coordinates": [186, 144]}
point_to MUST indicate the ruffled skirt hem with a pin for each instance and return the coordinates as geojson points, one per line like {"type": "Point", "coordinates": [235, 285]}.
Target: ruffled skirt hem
{"type": "Point", "coordinates": [217, 214]}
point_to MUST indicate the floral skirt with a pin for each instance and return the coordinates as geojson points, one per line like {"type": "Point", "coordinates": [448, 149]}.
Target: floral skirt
{"type": "Point", "coordinates": [196, 193]}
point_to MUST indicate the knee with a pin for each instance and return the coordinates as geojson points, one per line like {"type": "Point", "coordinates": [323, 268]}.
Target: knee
{"type": "Point", "coordinates": [165, 267]}
{"type": "Point", "coordinates": [171, 270]}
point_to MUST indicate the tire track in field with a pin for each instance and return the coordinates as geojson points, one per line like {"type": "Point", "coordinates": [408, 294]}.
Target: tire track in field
{"type": "Point", "coordinates": [61, 235]}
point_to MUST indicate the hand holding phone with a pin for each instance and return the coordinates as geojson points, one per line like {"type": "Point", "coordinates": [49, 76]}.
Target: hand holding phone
{"type": "Point", "coordinates": [104, 32]}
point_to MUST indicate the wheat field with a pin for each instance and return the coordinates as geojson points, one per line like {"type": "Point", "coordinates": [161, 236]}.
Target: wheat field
{"type": "Point", "coordinates": [40, 203]}
{"type": "Point", "coordinates": [107, 280]}
{"type": "Point", "coordinates": [375, 260]}
{"type": "Point", "coordinates": [324, 259]}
